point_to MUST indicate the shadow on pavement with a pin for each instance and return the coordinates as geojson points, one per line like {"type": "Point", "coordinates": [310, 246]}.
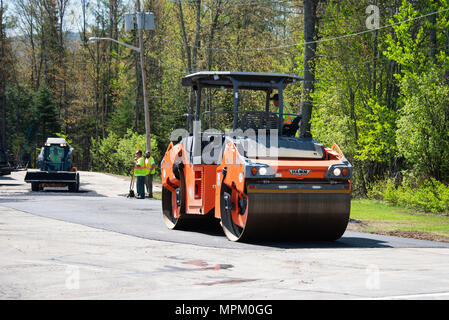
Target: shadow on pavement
{"type": "Point", "coordinates": [6, 178]}
{"type": "Point", "coordinates": [204, 225]}
{"type": "Point", "coordinates": [349, 240]}
{"type": "Point", "coordinates": [214, 229]}
{"type": "Point", "coordinates": [344, 242]}
{"type": "Point", "coordinates": [60, 192]}
{"type": "Point", "coordinates": [63, 192]}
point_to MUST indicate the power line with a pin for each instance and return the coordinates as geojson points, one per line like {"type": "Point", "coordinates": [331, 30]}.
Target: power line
{"type": "Point", "coordinates": [370, 61]}
{"type": "Point", "coordinates": [320, 40]}
{"type": "Point", "coordinates": [241, 2]}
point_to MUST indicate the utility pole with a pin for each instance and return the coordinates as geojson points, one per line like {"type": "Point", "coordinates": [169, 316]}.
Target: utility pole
{"type": "Point", "coordinates": [308, 64]}
{"type": "Point", "coordinates": [144, 83]}
{"type": "Point", "coordinates": [3, 79]}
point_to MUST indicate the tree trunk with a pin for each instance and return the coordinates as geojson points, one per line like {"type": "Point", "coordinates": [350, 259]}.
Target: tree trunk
{"type": "Point", "coordinates": [197, 35]}
{"type": "Point", "coordinates": [184, 37]}
{"type": "Point", "coordinates": [190, 56]}
{"type": "Point", "coordinates": [212, 29]}
{"type": "Point", "coordinates": [433, 37]}
{"type": "Point", "coordinates": [374, 89]}
{"type": "Point", "coordinates": [3, 78]}
{"type": "Point", "coordinates": [310, 31]}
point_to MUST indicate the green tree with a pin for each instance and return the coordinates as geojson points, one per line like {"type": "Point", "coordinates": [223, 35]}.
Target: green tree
{"type": "Point", "coordinates": [420, 48]}
{"type": "Point", "coordinates": [45, 110]}
{"type": "Point", "coordinates": [423, 128]}
{"type": "Point", "coordinates": [20, 117]}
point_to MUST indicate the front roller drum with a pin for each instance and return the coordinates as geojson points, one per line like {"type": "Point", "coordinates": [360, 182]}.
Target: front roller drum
{"type": "Point", "coordinates": [284, 216]}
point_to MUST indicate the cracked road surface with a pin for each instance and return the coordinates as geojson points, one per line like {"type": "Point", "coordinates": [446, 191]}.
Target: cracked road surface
{"type": "Point", "coordinates": [97, 244]}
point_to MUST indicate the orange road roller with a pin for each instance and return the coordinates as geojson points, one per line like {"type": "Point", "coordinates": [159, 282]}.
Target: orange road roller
{"type": "Point", "coordinates": [257, 176]}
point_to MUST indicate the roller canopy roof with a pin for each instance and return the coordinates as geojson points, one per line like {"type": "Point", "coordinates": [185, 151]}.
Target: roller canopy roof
{"type": "Point", "coordinates": [246, 80]}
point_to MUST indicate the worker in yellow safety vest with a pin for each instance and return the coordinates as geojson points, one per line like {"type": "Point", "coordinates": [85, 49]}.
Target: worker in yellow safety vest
{"type": "Point", "coordinates": [150, 164]}
{"type": "Point", "coordinates": [140, 171]}
{"type": "Point", "coordinates": [289, 122]}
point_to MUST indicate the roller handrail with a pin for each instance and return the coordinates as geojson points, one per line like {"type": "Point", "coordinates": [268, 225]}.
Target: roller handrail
{"type": "Point", "coordinates": [337, 149]}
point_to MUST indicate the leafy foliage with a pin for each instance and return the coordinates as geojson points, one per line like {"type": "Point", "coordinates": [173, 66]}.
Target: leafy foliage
{"type": "Point", "coordinates": [115, 155]}
{"type": "Point", "coordinates": [377, 134]}
{"type": "Point", "coordinates": [429, 195]}
{"type": "Point", "coordinates": [423, 128]}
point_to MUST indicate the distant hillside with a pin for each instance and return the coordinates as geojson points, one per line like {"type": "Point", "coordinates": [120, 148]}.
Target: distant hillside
{"type": "Point", "coordinates": [72, 39]}
{"type": "Point", "coordinates": [72, 36]}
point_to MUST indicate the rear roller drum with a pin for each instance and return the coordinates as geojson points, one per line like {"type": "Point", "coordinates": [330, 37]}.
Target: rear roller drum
{"type": "Point", "coordinates": [173, 205]}
{"type": "Point", "coordinates": [234, 212]}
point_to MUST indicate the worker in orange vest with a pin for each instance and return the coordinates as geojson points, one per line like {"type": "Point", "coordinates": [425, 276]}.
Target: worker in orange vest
{"type": "Point", "coordinates": [289, 123]}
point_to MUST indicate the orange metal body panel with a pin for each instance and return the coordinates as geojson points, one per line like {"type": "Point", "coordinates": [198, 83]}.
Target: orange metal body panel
{"type": "Point", "coordinates": [235, 179]}
{"type": "Point", "coordinates": [199, 180]}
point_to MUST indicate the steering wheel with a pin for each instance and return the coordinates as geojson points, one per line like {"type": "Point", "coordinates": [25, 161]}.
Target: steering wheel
{"type": "Point", "coordinates": [286, 128]}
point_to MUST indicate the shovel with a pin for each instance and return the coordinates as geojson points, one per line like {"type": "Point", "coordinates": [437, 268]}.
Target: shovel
{"type": "Point", "coordinates": [131, 187]}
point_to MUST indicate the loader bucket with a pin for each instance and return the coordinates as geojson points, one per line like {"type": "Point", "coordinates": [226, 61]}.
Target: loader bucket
{"type": "Point", "coordinates": [50, 177]}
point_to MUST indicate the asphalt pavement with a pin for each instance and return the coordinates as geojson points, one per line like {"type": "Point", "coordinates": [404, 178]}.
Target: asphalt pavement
{"type": "Point", "coordinates": [102, 203]}
{"type": "Point", "coordinates": [99, 229]}
{"type": "Point", "coordinates": [143, 218]}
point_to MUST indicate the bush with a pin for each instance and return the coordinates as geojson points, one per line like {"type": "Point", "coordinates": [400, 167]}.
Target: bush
{"type": "Point", "coordinates": [115, 155]}
{"type": "Point", "coordinates": [429, 195]}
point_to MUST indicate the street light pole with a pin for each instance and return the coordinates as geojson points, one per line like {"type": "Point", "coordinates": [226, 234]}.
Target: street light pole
{"type": "Point", "coordinates": [144, 78]}
{"type": "Point", "coordinates": [92, 39]}
{"type": "Point", "coordinates": [144, 84]}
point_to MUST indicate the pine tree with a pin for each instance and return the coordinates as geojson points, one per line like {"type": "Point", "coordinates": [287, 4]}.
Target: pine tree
{"type": "Point", "coordinates": [47, 114]}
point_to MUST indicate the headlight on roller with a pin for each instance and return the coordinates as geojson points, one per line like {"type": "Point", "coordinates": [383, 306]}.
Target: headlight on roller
{"type": "Point", "coordinates": [341, 170]}
{"type": "Point", "coordinates": [257, 170]}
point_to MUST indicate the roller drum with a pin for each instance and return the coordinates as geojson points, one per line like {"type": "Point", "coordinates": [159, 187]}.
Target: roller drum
{"type": "Point", "coordinates": [292, 216]}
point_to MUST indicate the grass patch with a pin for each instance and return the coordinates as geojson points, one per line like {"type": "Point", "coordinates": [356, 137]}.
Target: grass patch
{"type": "Point", "coordinates": [157, 195]}
{"type": "Point", "coordinates": [376, 216]}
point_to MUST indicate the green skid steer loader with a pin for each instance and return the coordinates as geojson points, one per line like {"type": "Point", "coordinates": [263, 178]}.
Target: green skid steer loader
{"type": "Point", "coordinates": [55, 167]}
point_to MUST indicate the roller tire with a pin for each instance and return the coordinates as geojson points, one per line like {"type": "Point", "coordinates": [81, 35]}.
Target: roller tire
{"type": "Point", "coordinates": [168, 200]}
